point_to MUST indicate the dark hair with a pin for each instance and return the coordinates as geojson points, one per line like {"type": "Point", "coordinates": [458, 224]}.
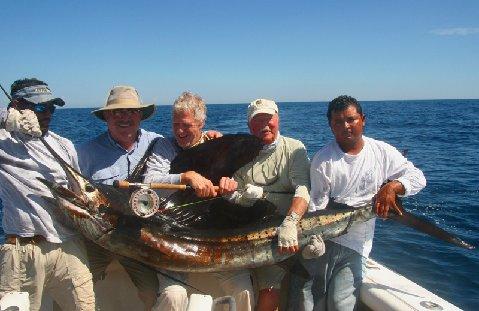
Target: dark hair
{"type": "Point", "coordinates": [341, 103]}
{"type": "Point", "coordinates": [20, 84]}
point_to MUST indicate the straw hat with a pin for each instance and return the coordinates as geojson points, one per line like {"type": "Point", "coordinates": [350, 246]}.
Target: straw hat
{"type": "Point", "coordinates": [124, 97]}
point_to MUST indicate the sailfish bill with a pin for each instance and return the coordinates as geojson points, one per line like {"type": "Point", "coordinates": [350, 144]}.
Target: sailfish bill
{"type": "Point", "coordinates": [429, 228]}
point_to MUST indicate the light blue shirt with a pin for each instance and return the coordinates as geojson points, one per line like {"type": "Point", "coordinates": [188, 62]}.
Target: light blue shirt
{"type": "Point", "coordinates": [104, 161]}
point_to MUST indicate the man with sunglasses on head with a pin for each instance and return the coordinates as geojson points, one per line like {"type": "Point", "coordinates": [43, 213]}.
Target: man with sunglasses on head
{"type": "Point", "coordinates": [41, 252]}
{"type": "Point", "coordinates": [279, 174]}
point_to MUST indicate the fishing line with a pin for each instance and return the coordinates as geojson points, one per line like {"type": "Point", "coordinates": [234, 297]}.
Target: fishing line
{"type": "Point", "coordinates": [197, 202]}
{"type": "Point", "coordinates": [219, 197]}
{"type": "Point", "coordinates": [5, 93]}
{"type": "Point", "coordinates": [181, 282]}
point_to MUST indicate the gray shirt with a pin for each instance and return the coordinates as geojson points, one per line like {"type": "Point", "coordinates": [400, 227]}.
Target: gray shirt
{"type": "Point", "coordinates": [28, 208]}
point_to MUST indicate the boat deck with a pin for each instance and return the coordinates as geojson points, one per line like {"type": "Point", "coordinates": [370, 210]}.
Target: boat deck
{"type": "Point", "coordinates": [382, 290]}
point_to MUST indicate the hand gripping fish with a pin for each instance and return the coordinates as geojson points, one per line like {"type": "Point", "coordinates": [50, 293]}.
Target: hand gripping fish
{"type": "Point", "coordinates": [193, 235]}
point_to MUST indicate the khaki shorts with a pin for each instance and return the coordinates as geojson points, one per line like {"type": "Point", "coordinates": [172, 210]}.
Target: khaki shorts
{"type": "Point", "coordinates": [59, 269]}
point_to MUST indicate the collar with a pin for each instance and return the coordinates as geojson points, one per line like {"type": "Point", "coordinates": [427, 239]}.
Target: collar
{"type": "Point", "coordinates": [115, 143]}
{"type": "Point", "coordinates": [273, 145]}
{"type": "Point", "coordinates": [202, 139]}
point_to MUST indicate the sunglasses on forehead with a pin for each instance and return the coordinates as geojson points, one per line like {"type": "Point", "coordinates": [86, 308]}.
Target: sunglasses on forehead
{"type": "Point", "coordinates": [41, 107]}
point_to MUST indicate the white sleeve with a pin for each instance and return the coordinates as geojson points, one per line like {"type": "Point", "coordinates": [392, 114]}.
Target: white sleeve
{"type": "Point", "coordinates": [405, 172]}
{"type": "Point", "coordinates": [320, 185]}
{"type": "Point", "coordinates": [158, 164]}
{"type": "Point", "coordinates": [298, 173]}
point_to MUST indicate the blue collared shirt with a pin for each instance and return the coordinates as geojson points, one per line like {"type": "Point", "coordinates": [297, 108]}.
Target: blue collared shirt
{"type": "Point", "coordinates": [104, 161]}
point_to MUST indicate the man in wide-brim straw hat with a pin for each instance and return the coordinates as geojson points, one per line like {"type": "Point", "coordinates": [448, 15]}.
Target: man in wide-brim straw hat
{"type": "Point", "coordinates": [113, 155]}
{"type": "Point", "coordinates": [124, 97]}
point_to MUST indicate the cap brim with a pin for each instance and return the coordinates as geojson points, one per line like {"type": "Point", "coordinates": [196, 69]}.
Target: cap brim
{"type": "Point", "coordinates": [269, 111]}
{"type": "Point", "coordinates": [45, 98]}
{"type": "Point", "coordinates": [58, 101]}
{"type": "Point", "coordinates": [146, 110]}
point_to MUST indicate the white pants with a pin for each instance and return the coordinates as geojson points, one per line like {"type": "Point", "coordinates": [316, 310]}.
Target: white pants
{"type": "Point", "coordinates": [172, 295]}
{"type": "Point", "coordinates": [228, 283]}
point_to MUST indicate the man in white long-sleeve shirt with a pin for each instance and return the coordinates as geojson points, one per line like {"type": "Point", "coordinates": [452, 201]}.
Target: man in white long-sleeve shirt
{"type": "Point", "coordinates": [41, 252]}
{"type": "Point", "coordinates": [355, 170]}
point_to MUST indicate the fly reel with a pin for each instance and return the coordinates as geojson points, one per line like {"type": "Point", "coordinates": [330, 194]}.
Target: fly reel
{"type": "Point", "coordinates": [145, 202]}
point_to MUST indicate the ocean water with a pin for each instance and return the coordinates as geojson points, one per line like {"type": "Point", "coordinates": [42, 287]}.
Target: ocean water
{"type": "Point", "coordinates": [441, 138]}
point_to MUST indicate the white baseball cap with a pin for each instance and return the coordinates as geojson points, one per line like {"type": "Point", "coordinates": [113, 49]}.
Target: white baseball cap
{"type": "Point", "coordinates": [261, 105]}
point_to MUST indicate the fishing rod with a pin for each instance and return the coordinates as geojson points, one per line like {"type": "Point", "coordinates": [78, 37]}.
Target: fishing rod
{"type": "Point", "coordinates": [124, 184]}
{"type": "Point", "coordinates": [5, 92]}
{"type": "Point", "coordinates": [145, 202]}
{"type": "Point", "coordinates": [160, 272]}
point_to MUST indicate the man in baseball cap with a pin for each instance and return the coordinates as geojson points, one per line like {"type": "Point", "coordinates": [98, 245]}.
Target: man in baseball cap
{"type": "Point", "coordinates": [31, 108]}
{"type": "Point", "coordinates": [279, 174]}
{"type": "Point", "coordinates": [262, 106]}
{"type": "Point", "coordinates": [35, 94]}
{"type": "Point", "coordinates": [47, 254]}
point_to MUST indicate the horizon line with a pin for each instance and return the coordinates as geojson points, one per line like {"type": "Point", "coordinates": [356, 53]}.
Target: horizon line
{"type": "Point", "coordinates": [313, 101]}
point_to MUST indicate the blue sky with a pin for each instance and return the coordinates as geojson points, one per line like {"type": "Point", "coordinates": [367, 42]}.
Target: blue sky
{"type": "Point", "coordinates": [235, 51]}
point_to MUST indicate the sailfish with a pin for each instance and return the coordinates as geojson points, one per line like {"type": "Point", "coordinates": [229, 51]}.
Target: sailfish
{"type": "Point", "coordinates": [200, 235]}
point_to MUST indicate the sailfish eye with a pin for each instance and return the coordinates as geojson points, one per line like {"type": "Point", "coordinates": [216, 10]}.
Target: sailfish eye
{"type": "Point", "coordinates": [89, 188]}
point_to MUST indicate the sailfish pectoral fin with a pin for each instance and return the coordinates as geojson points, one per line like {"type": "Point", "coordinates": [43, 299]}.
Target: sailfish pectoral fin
{"type": "Point", "coordinates": [429, 228]}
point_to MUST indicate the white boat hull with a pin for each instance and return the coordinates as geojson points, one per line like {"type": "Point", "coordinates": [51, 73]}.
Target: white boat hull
{"type": "Point", "coordinates": [386, 290]}
{"type": "Point", "coordinates": [382, 290]}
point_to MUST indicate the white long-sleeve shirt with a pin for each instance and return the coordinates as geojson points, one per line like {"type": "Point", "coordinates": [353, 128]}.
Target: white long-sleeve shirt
{"type": "Point", "coordinates": [22, 159]}
{"type": "Point", "coordinates": [355, 179]}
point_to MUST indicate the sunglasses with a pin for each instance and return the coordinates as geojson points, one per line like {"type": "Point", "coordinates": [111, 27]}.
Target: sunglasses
{"type": "Point", "coordinates": [44, 108]}
{"type": "Point", "coordinates": [39, 108]}
{"type": "Point", "coordinates": [125, 111]}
